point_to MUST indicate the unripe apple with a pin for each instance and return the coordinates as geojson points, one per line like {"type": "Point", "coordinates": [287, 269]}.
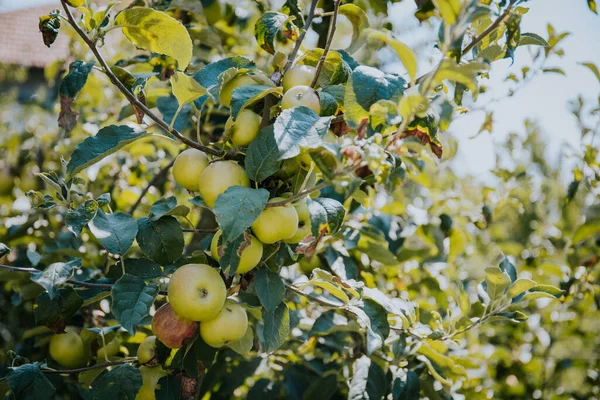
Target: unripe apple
{"type": "Point", "coordinates": [301, 96]}
{"type": "Point", "coordinates": [197, 292]}
{"type": "Point", "coordinates": [220, 176]}
{"type": "Point", "coordinates": [245, 127]}
{"type": "Point", "coordinates": [173, 330]}
{"type": "Point", "coordinates": [298, 75]}
{"type": "Point", "coordinates": [250, 257]}
{"type": "Point", "coordinates": [229, 87]}
{"type": "Point", "coordinates": [228, 326]}
{"type": "Point", "coordinates": [68, 349]}
{"type": "Point", "coordinates": [276, 223]}
{"type": "Point", "coordinates": [188, 167]}
{"type": "Point", "coordinates": [308, 264]}
{"type": "Point", "coordinates": [146, 352]}
{"type": "Point", "coordinates": [304, 226]}
{"type": "Point", "coordinates": [110, 350]}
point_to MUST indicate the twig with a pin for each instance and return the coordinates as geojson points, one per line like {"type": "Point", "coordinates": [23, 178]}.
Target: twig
{"type": "Point", "coordinates": [132, 99]}
{"type": "Point", "coordinates": [198, 230]}
{"type": "Point", "coordinates": [152, 182]}
{"type": "Point", "coordinates": [490, 28]}
{"type": "Point", "coordinates": [309, 19]}
{"type": "Point", "coordinates": [89, 368]}
{"type": "Point", "coordinates": [321, 62]}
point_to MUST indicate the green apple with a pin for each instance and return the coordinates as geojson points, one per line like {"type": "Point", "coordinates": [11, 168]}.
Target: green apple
{"type": "Point", "coordinates": [308, 264]}
{"type": "Point", "coordinates": [173, 330]}
{"type": "Point", "coordinates": [110, 350]}
{"type": "Point", "coordinates": [146, 352]}
{"type": "Point", "coordinates": [304, 226]}
{"type": "Point", "coordinates": [228, 326]}
{"type": "Point", "coordinates": [68, 349]}
{"type": "Point", "coordinates": [301, 96]}
{"type": "Point", "coordinates": [188, 167]}
{"type": "Point", "coordinates": [250, 257]}
{"type": "Point", "coordinates": [229, 87]}
{"type": "Point", "coordinates": [244, 129]}
{"type": "Point", "coordinates": [297, 76]}
{"type": "Point", "coordinates": [276, 223]}
{"type": "Point", "coordinates": [197, 292]}
{"type": "Point", "coordinates": [220, 176]}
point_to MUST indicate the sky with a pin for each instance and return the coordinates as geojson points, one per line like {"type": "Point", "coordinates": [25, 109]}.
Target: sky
{"type": "Point", "coordinates": [544, 100]}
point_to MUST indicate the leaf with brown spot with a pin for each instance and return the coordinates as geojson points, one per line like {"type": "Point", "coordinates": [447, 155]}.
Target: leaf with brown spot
{"type": "Point", "coordinates": [425, 130]}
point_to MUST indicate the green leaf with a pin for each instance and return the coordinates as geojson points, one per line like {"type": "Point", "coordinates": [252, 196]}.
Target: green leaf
{"type": "Point", "coordinates": [49, 26]}
{"type": "Point", "coordinates": [548, 289]}
{"type": "Point", "coordinates": [116, 232]}
{"type": "Point", "coordinates": [326, 216]}
{"type": "Point", "coordinates": [262, 157]}
{"type": "Point", "coordinates": [519, 286]}
{"type": "Point", "coordinates": [169, 108]}
{"type": "Point", "coordinates": [232, 251]}
{"type": "Point", "coordinates": [94, 148]}
{"type": "Point", "coordinates": [358, 17]}
{"type": "Point", "coordinates": [28, 382]}
{"type": "Point", "coordinates": [586, 231]}
{"type": "Point", "coordinates": [269, 288]}
{"type": "Point", "coordinates": [4, 250]}
{"type": "Point", "coordinates": [121, 383]}
{"type": "Point", "coordinates": [161, 240]}
{"type": "Point", "coordinates": [326, 158]}
{"type": "Point", "coordinates": [185, 88]}
{"type": "Point", "coordinates": [592, 6]}
{"type": "Point", "coordinates": [267, 27]}
{"type": "Point", "coordinates": [532, 39]}
{"type": "Point", "coordinates": [592, 67]}
{"type": "Point", "coordinates": [168, 206]}
{"type": "Point", "coordinates": [448, 9]}
{"type": "Point", "coordinates": [208, 76]}
{"type": "Point", "coordinates": [55, 313]}
{"type": "Point", "coordinates": [463, 73]}
{"type": "Point", "coordinates": [276, 327]}
{"type": "Point", "coordinates": [170, 388]}
{"type": "Point", "coordinates": [407, 388]}
{"type": "Point", "coordinates": [508, 267]}
{"type": "Point", "coordinates": [322, 388]}
{"type": "Point", "coordinates": [75, 79]}
{"type": "Point", "coordinates": [140, 267]}
{"type": "Point", "coordinates": [246, 95]}
{"type": "Point", "coordinates": [372, 317]}
{"type": "Point", "coordinates": [497, 281]}
{"type": "Point", "coordinates": [404, 53]}
{"type": "Point", "coordinates": [244, 345]}
{"type": "Point", "coordinates": [297, 128]}
{"type": "Point", "coordinates": [76, 220]}
{"type": "Point", "coordinates": [131, 300]}
{"type": "Point", "coordinates": [55, 275]}
{"type": "Point", "coordinates": [237, 208]}
{"type": "Point", "coordinates": [368, 380]}
{"type": "Point", "coordinates": [516, 316]}
{"type": "Point", "coordinates": [157, 32]}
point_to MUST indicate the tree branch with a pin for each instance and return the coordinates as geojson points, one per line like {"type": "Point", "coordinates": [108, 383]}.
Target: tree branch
{"type": "Point", "coordinates": [321, 62]}
{"type": "Point", "coordinates": [308, 22]}
{"type": "Point", "coordinates": [132, 99]}
{"type": "Point", "coordinates": [51, 371]}
{"type": "Point", "coordinates": [152, 182]}
{"type": "Point", "coordinates": [490, 28]}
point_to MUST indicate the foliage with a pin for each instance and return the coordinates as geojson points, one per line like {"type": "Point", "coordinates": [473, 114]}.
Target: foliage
{"type": "Point", "coordinates": [413, 282]}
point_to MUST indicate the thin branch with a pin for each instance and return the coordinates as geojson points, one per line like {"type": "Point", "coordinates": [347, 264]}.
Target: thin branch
{"type": "Point", "coordinates": [198, 230]}
{"type": "Point", "coordinates": [132, 98]}
{"type": "Point", "coordinates": [152, 182]}
{"type": "Point", "coordinates": [503, 17]}
{"type": "Point", "coordinates": [315, 299]}
{"type": "Point", "coordinates": [50, 371]}
{"type": "Point", "coordinates": [308, 22]}
{"type": "Point", "coordinates": [321, 62]}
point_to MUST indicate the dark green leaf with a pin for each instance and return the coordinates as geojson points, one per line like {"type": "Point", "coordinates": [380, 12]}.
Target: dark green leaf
{"type": "Point", "coordinates": [115, 231]}
{"type": "Point", "coordinates": [49, 27]}
{"type": "Point", "coordinates": [532, 39]}
{"type": "Point", "coordinates": [508, 267]}
{"type": "Point", "coordinates": [247, 95]}
{"type": "Point", "coordinates": [266, 29]}
{"type": "Point", "coordinates": [168, 206]}
{"type": "Point", "coordinates": [297, 128]}
{"type": "Point", "coordinates": [322, 388]}
{"type": "Point", "coordinates": [77, 219]}
{"type": "Point", "coordinates": [269, 288]}
{"type": "Point", "coordinates": [4, 250]}
{"type": "Point", "coordinates": [131, 300]}
{"type": "Point", "coordinates": [237, 208]}
{"type": "Point", "coordinates": [326, 216]}
{"type": "Point", "coordinates": [368, 381]}
{"type": "Point", "coordinates": [107, 141]}
{"type": "Point", "coordinates": [75, 79]}
{"type": "Point", "coordinates": [55, 313]}
{"type": "Point", "coordinates": [168, 105]}
{"type": "Point", "coordinates": [140, 267]}
{"type": "Point", "coordinates": [55, 275]}
{"type": "Point", "coordinates": [407, 388]}
{"type": "Point", "coordinates": [371, 85]}
{"type": "Point", "coordinates": [170, 388]}
{"type": "Point", "coordinates": [262, 156]}
{"type": "Point", "coordinates": [276, 327]}
{"type": "Point", "coordinates": [208, 76]}
{"type": "Point", "coordinates": [161, 240]}
{"type": "Point", "coordinates": [121, 383]}
{"type": "Point", "coordinates": [28, 382]}
{"type": "Point", "coordinates": [232, 251]}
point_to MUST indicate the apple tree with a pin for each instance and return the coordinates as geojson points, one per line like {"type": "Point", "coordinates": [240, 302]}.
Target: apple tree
{"type": "Point", "coordinates": [236, 203]}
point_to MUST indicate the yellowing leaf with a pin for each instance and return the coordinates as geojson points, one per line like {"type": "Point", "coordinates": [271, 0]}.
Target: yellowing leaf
{"type": "Point", "coordinates": [448, 9]}
{"type": "Point", "coordinates": [185, 88]}
{"type": "Point", "coordinates": [592, 67]}
{"type": "Point", "coordinates": [586, 231]}
{"type": "Point", "coordinates": [405, 53]}
{"type": "Point", "coordinates": [460, 73]}
{"type": "Point", "coordinates": [358, 18]}
{"type": "Point", "coordinates": [519, 286]}
{"type": "Point", "coordinates": [412, 104]}
{"type": "Point", "coordinates": [157, 32]}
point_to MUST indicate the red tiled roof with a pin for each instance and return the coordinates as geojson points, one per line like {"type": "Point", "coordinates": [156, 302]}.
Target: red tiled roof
{"type": "Point", "coordinates": [21, 41]}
